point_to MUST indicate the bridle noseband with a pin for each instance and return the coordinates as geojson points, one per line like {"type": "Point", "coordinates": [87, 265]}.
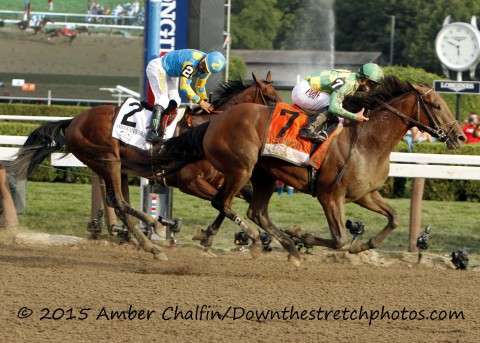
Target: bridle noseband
{"type": "Point", "coordinates": [434, 129]}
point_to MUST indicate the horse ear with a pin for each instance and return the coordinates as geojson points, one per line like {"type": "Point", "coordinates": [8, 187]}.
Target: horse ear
{"type": "Point", "coordinates": [269, 77]}
{"type": "Point", "coordinates": [414, 87]}
{"type": "Point", "coordinates": [258, 81]}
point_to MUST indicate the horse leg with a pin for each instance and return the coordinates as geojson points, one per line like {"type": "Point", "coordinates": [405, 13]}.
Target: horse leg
{"type": "Point", "coordinates": [223, 203]}
{"type": "Point", "coordinates": [206, 236]}
{"type": "Point", "coordinates": [333, 206]}
{"type": "Point", "coordinates": [189, 181]}
{"type": "Point", "coordinates": [373, 201]}
{"type": "Point", "coordinates": [263, 188]}
{"type": "Point", "coordinates": [123, 209]}
{"type": "Point", "coordinates": [147, 219]}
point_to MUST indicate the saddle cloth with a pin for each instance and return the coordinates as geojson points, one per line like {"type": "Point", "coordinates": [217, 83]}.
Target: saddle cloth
{"type": "Point", "coordinates": [282, 141]}
{"type": "Point", "coordinates": [132, 122]}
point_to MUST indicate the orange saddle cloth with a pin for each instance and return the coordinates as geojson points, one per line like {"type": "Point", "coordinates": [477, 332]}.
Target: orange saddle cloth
{"type": "Point", "coordinates": [282, 141]}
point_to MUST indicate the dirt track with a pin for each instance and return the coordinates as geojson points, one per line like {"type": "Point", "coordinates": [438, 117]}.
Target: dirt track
{"type": "Point", "coordinates": [102, 277]}
{"type": "Point", "coordinates": [107, 60]}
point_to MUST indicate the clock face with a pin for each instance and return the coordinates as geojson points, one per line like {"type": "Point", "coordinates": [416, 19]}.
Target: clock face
{"type": "Point", "coordinates": [458, 46]}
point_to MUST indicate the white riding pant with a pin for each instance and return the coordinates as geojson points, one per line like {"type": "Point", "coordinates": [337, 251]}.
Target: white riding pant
{"type": "Point", "coordinates": [309, 99]}
{"type": "Point", "coordinates": [164, 87]}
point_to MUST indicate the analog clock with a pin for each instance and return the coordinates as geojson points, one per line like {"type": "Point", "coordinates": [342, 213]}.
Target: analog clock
{"type": "Point", "coordinates": [458, 46]}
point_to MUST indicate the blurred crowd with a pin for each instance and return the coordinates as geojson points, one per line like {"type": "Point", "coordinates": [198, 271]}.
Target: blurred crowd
{"type": "Point", "coordinates": [131, 11]}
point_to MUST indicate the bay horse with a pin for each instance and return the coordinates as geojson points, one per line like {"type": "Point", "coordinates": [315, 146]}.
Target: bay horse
{"type": "Point", "coordinates": [25, 24]}
{"type": "Point", "coordinates": [69, 34]}
{"type": "Point", "coordinates": [88, 137]}
{"type": "Point", "coordinates": [360, 152]}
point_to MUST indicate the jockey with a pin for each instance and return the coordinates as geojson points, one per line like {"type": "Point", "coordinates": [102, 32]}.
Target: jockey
{"type": "Point", "coordinates": [68, 31]}
{"type": "Point", "coordinates": [164, 74]}
{"type": "Point", "coordinates": [323, 92]}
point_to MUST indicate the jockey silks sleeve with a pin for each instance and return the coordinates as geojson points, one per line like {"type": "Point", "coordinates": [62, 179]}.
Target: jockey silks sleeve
{"type": "Point", "coordinates": [338, 83]}
{"type": "Point", "coordinates": [184, 65]}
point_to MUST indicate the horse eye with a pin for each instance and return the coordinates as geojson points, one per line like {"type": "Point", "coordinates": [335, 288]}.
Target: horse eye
{"type": "Point", "coordinates": [436, 106]}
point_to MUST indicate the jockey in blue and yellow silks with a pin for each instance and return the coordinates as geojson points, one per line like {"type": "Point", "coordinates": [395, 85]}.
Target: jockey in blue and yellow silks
{"type": "Point", "coordinates": [325, 91]}
{"type": "Point", "coordinates": [175, 71]}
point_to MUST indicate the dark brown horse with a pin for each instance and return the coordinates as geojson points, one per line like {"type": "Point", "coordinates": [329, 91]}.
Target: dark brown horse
{"type": "Point", "coordinates": [232, 143]}
{"type": "Point", "coordinates": [25, 24]}
{"type": "Point", "coordinates": [87, 136]}
{"type": "Point", "coordinates": [70, 34]}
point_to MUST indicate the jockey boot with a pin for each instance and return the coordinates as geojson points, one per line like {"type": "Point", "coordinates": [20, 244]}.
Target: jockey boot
{"type": "Point", "coordinates": [152, 135]}
{"type": "Point", "coordinates": [309, 131]}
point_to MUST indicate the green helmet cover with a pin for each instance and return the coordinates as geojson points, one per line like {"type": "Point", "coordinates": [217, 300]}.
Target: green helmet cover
{"type": "Point", "coordinates": [371, 71]}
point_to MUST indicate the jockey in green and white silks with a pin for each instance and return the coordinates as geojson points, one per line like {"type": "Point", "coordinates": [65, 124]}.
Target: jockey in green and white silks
{"type": "Point", "coordinates": [175, 71]}
{"type": "Point", "coordinates": [325, 91]}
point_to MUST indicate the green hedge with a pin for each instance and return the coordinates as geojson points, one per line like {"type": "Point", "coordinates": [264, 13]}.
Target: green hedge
{"type": "Point", "coordinates": [45, 172]}
{"type": "Point", "coordinates": [40, 110]}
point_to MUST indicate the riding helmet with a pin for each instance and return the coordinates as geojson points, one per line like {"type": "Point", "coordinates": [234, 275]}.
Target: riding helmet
{"type": "Point", "coordinates": [215, 62]}
{"type": "Point", "coordinates": [371, 71]}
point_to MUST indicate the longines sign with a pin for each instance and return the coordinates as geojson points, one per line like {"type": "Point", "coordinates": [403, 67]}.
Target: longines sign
{"type": "Point", "coordinates": [460, 87]}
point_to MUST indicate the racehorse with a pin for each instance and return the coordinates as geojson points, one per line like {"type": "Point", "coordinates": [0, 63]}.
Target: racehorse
{"type": "Point", "coordinates": [70, 34]}
{"type": "Point", "coordinates": [87, 136]}
{"type": "Point", "coordinates": [354, 168]}
{"type": "Point", "coordinates": [25, 24]}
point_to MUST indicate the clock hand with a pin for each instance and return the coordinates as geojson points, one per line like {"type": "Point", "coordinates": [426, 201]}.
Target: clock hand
{"type": "Point", "coordinates": [452, 43]}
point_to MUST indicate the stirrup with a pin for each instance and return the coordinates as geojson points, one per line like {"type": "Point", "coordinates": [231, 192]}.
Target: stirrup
{"type": "Point", "coordinates": [313, 136]}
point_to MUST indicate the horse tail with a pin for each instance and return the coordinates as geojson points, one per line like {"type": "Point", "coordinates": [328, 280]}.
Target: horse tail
{"type": "Point", "coordinates": [184, 149]}
{"type": "Point", "coordinates": [48, 138]}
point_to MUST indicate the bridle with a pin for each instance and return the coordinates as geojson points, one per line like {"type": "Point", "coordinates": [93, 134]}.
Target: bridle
{"type": "Point", "coordinates": [266, 99]}
{"type": "Point", "coordinates": [259, 94]}
{"type": "Point", "coordinates": [434, 129]}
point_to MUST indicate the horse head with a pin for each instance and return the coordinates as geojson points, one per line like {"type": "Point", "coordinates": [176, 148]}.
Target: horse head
{"type": "Point", "coordinates": [436, 118]}
{"type": "Point", "coordinates": [417, 105]}
{"type": "Point", "coordinates": [266, 91]}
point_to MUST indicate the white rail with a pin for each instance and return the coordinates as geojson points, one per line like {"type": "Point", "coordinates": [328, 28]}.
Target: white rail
{"type": "Point", "coordinates": [9, 153]}
{"type": "Point", "coordinates": [435, 166]}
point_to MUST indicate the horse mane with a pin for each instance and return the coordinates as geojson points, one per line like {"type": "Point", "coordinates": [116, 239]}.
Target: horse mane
{"type": "Point", "coordinates": [228, 89]}
{"type": "Point", "coordinates": [389, 87]}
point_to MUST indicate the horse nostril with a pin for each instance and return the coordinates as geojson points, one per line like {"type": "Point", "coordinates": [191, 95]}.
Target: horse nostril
{"type": "Point", "coordinates": [462, 138]}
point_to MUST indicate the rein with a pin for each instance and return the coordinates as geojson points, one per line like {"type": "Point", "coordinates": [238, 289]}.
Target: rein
{"type": "Point", "coordinates": [340, 175]}
{"type": "Point", "coordinates": [434, 129]}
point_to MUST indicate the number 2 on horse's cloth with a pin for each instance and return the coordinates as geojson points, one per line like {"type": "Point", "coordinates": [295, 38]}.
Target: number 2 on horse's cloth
{"type": "Point", "coordinates": [131, 113]}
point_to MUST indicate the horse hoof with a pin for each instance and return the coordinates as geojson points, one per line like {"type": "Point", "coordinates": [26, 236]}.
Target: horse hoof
{"type": "Point", "coordinates": [295, 260]}
{"type": "Point", "coordinates": [200, 235]}
{"type": "Point", "coordinates": [160, 257]}
{"type": "Point", "coordinates": [256, 250]}
{"type": "Point", "coordinates": [356, 247]}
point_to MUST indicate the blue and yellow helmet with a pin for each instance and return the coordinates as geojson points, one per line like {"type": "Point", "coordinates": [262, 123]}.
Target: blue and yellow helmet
{"type": "Point", "coordinates": [215, 62]}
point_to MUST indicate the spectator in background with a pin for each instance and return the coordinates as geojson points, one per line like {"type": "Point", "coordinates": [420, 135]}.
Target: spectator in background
{"type": "Point", "coordinates": [469, 126]}
{"type": "Point", "coordinates": [475, 135]}
{"type": "Point", "coordinates": [421, 137]}
{"type": "Point", "coordinates": [26, 15]}
{"type": "Point", "coordinates": [117, 12]}
{"type": "Point", "coordinates": [50, 5]}
{"type": "Point", "coordinates": [409, 140]}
